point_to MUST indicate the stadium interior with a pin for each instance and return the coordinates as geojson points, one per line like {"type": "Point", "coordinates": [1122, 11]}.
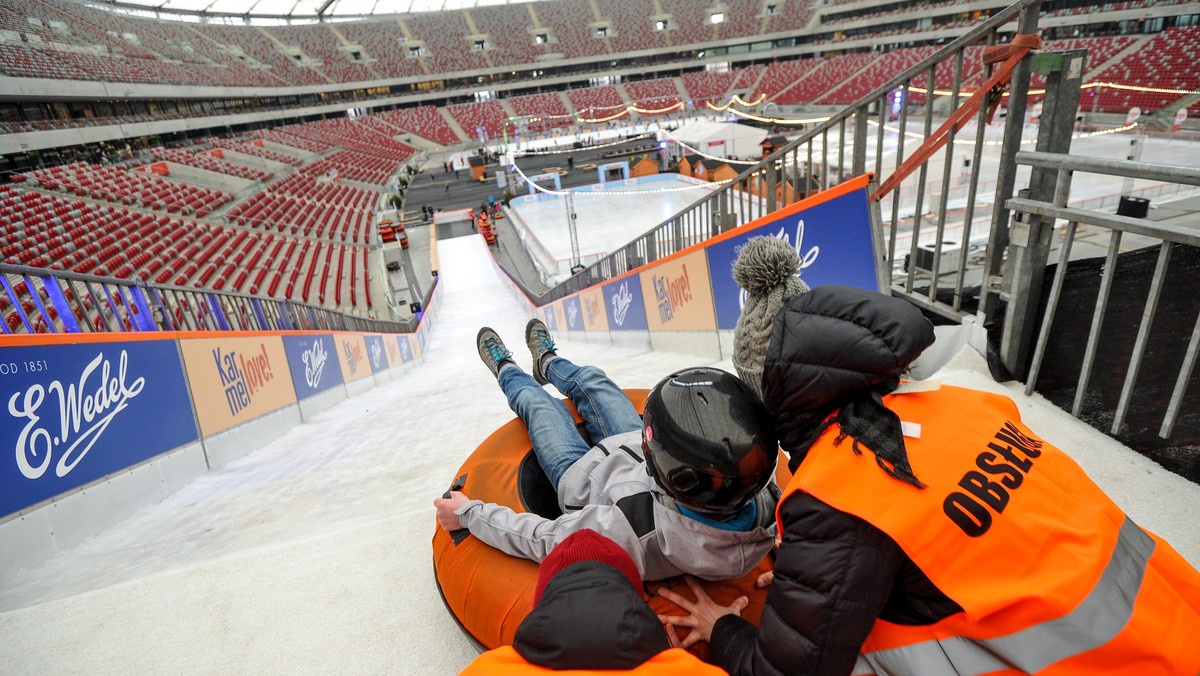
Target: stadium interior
{"type": "Point", "coordinates": [195, 149]}
{"type": "Point", "coordinates": [273, 167]}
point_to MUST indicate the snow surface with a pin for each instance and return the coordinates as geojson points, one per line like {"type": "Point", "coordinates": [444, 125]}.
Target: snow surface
{"type": "Point", "coordinates": [312, 555]}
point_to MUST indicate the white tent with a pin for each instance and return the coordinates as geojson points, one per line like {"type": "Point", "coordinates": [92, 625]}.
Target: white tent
{"type": "Point", "coordinates": [722, 139]}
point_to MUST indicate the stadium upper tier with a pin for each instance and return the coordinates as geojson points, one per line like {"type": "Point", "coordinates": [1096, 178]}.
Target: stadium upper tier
{"type": "Point", "coordinates": [68, 40]}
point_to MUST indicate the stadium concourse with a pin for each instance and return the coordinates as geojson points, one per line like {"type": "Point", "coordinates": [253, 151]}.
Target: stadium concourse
{"type": "Point", "coordinates": [311, 555]}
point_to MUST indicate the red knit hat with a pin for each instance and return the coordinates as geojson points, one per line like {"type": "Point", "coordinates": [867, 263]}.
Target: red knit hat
{"type": "Point", "coordinates": [586, 545]}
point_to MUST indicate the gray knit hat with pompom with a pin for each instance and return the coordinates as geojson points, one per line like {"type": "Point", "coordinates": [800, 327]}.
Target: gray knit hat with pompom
{"type": "Point", "coordinates": [766, 268]}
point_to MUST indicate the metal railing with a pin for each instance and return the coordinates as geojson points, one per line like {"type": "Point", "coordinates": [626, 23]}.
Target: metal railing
{"type": "Point", "coordinates": [856, 140]}
{"type": "Point", "coordinates": [1045, 212]}
{"type": "Point", "coordinates": [50, 301]}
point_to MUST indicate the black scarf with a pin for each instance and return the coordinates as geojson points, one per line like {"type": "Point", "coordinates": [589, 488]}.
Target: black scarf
{"type": "Point", "coordinates": [865, 419]}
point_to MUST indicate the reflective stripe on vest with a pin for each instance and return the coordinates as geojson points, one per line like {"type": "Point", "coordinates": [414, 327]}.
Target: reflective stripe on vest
{"type": "Point", "coordinates": [1103, 614]}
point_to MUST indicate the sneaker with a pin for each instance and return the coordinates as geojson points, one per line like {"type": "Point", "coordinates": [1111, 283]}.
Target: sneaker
{"type": "Point", "coordinates": [537, 337]}
{"type": "Point", "coordinates": [492, 350]}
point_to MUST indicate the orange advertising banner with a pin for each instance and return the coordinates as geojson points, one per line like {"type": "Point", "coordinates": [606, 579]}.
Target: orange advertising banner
{"type": "Point", "coordinates": [393, 351]}
{"type": "Point", "coordinates": [352, 353]}
{"type": "Point", "coordinates": [591, 300]}
{"type": "Point", "coordinates": [678, 294]}
{"type": "Point", "coordinates": [236, 379]}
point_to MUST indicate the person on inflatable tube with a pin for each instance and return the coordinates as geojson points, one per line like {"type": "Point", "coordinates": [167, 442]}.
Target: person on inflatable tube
{"type": "Point", "coordinates": [690, 491]}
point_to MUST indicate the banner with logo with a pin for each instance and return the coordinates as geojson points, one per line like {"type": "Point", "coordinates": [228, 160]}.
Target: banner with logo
{"type": "Point", "coordinates": [404, 342]}
{"type": "Point", "coordinates": [393, 351]}
{"type": "Point", "coordinates": [352, 353]}
{"type": "Point", "coordinates": [553, 317]}
{"type": "Point", "coordinates": [624, 306]}
{"type": "Point", "coordinates": [313, 362]}
{"type": "Point", "coordinates": [573, 310]}
{"type": "Point", "coordinates": [236, 379]}
{"type": "Point", "coordinates": [591, 301]}
{"type": "Point", "coordinates": [679, 294]}
{"type": "Point", "coordinates": [75, 413]}
{"type": "Point", "coordinates": [831, 232]}
{"type": "Point", "coordinates": [376, 352]}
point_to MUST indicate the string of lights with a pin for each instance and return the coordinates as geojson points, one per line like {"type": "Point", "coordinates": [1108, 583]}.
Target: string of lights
{"type": "Point", "coordinates": [737, 99]}
{"type": "Point", "coordinates": [697, 151]}
{"type": "Point", "coordinates": [633, 109]}
{"type": "Point", "coordinates": [559, 151]}
{"type": "Point", "coordinates": [1089, 85]}
{"type": "Point", "coordinates": [605, 193]}
{"type": "Point", "coordinates": [771, 120]}
{"type": "Point", "coordinates": [969, 142]}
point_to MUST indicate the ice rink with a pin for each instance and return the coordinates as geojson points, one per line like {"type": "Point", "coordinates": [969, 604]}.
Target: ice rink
{"type": "Point", "coordinates": [609, 219]}
{"type": "Point", "coordinates": [605, 218]}
{"type": "Point", "coordinates": [312, 555]}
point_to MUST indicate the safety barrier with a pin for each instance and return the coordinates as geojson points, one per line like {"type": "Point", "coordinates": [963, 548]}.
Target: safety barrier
{"type": "Point", "coordinates": [101, 424]}
{"type": "Point", "coordinates": [37, 300]}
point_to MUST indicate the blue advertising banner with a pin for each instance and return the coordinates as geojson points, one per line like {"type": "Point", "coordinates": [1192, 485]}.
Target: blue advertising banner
{"type": "Point", "coordinates": [76, 413]}
{"type": "Point", "coordinates": [574, 312]}
{"type": "Point", "coordinates": [313, 362]}
{"type": "Point", "coordinates": [405, 348]}
{"type": "Point", "coordinates": [833, 240]}
{"type": "Point", "coordinates": [624, 305]}
{"type": "Point", "coordinates": [376, 353]}
{"type": "Point", "coordinates": [550, 317]}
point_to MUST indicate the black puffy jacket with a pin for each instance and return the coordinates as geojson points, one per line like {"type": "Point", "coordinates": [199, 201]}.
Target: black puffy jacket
{"type": "Point", "coordinates": [834, 573]}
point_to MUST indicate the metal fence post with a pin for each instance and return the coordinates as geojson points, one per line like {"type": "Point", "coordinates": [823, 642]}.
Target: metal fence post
{"type": "Point", "coordinates": [1007, 171]}
{"type": "Point", "coordinates": [1031, 234]}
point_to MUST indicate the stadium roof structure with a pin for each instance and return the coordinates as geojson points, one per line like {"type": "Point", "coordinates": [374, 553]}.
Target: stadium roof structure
{"type": "Point", "coordinates": [300, 9]}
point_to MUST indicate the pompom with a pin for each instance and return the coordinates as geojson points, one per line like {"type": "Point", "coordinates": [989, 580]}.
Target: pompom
{"type": "Point", "coordinates": [765, 263]}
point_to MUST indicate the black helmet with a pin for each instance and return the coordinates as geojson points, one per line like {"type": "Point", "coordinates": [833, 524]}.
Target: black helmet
{"type": "Point", "coordinates": [708, 440]}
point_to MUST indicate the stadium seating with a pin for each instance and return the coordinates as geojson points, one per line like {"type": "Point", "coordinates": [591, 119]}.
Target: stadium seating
{"type": "Point", "coordinates": [486, 115]}
{"type": "Point", "coordinates": [567, 18]}
{"type": "Point", "coordinates": [1167, 61]}
{"type": "Point", "coordinates": [653, 94]}
{"type": "Point", "coordinates": [596, 102]}
{"type": "Point", "coordinates": [129, 188]}
{"type": "Point", "coordinates": [208, 163]}
{"type": "Point", "coordinates": [689, 24]}
{"type": "Point", "coordinates": [706, 86]}
{"type": "Point", "coordinates": [632, 27]}
{"type": "Point", "coordinates": [509, 37]}
{"type": "Point", "coordinates": [445, 36]}
{"type": "Point", "coordinates": [548, 107]}
{"type": "Point", "coordinates": [878, 69]}
{"type": "Point", "coordinates": [809, 79]}
{"type": "Point", "coordinates": [304, 233]}
{"type": "Point", "coordinates": [424, 121]}
{"type": "Point", "coordinates": [319, 42]}
{"type": "Point", "coordinates": [383, 42]}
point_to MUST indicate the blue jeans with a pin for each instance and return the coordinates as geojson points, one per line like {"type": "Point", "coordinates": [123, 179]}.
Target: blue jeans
{"type": "Point", "coordinates": [556, 441]}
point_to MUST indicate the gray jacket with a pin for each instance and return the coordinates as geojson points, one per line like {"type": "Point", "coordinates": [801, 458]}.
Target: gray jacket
{"type": "Point", "coordinates": [609, 491]}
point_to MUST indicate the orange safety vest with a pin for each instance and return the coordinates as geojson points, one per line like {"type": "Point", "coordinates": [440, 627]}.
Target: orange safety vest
{"type": "Point", "coordinates": [1052, 576]}
{"type": "Point", "coordinates": [674, 662]}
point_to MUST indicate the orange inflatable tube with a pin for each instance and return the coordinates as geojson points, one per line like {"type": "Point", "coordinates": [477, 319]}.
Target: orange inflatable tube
{"type": "Point", "coordinates": [490, 592]}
